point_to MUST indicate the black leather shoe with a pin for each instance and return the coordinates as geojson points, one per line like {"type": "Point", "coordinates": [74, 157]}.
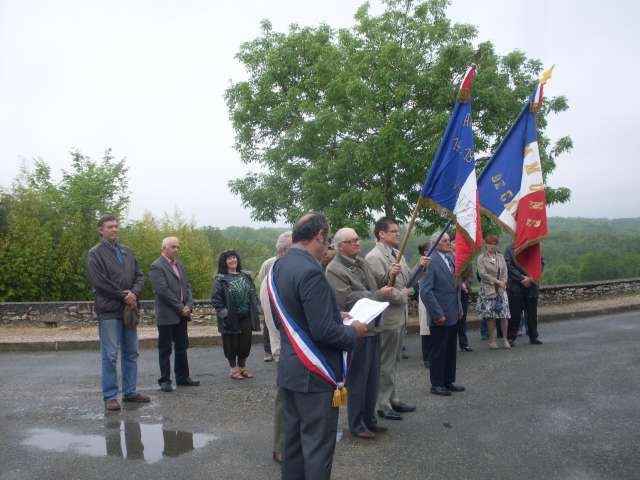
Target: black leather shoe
{"type": "Point", "coordinates": [535, 341]}
{"type": "Point", "coordinates": [377, 428]}
{"type": "Point", "coordinates": [452, 387]}
{"type": "Point", "coordinates": [389, 414]}
{"type": "Point", "coordinates": [441, 391]}
{"type": "Point", "coordinates": [402, 407]}
{"type": "Point", "coordinates": [466, 349]}
{"type": "Point", "coordinates": [367, 435]}
{"type": "Point", "coordinates": [166, 387]}
{"type": "Point", "coordinates": [189, 382]}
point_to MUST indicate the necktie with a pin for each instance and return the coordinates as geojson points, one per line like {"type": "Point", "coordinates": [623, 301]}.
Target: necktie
{"type": "Point", "coordinates": [451, 265]}
{"type": "Point", "coordinates": [116, 247]}
{"type": "Point", "coordinates": [174, 266]}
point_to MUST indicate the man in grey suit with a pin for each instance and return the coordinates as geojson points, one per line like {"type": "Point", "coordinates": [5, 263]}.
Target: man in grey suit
{"type": "Point", "coordinates": [383, 262]}
{"type": "Point", "coordinates": [441, 296]}
{"type": "Point", "coordinates": [302, 291]}
{"type": "Point", "coordinates": [352, 279]}
{"type": "Point", "coordinates": [174, 303]}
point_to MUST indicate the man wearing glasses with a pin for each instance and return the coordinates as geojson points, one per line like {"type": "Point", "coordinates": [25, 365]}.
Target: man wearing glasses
{"type": "Point", "coordinates": [383, 262]}
{"type": "Point", "coordinates": [352, 279]}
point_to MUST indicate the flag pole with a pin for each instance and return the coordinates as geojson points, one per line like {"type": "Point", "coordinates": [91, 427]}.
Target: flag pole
{"type": "Point", "coordinates": [392, 277]}
{"type": "Point", "coordinates": [412, 280]}
{"type": "Point", "coordinates": [435, 244]}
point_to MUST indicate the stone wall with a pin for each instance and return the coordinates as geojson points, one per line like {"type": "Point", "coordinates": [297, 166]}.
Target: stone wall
{"type": "Point", "coordinates": [75, 314]}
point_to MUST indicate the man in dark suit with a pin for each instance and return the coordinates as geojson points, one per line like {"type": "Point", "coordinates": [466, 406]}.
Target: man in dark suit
{"type": "Point", "coordinates": [310, 420]}
{"type": "Point", "coordinates": [174, 303]}
{"type": "Point", "coordinates": [441, 296]}
{"type": "Point", "coordinates": [523, 296]}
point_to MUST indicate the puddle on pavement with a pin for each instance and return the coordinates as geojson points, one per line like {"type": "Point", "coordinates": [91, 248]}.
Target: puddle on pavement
{"type": "Point", "coordinates": [130, 440]}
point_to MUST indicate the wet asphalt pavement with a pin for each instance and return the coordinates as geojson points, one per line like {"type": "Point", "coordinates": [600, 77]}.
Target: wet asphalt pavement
{"type": "Point", "coordinates": [569, 409]}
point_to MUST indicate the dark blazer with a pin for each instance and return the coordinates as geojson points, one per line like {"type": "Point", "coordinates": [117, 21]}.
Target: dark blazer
{"type": "Point", "coordinates": [166, 288]}
{"type": "Point", "coordinates": [228, 320]}
{"type": "Point", "coordinates": [439, 292]}
{"type": "Point", "coordinates": [309, 299]}
{"type": "Point", "coordinates": [110, 278]}
{"type": "Point", "coordinates": [514, 287]}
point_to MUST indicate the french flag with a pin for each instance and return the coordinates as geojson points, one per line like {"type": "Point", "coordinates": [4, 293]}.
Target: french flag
{"type": "Point", "coordinates": [450, 186]}
{"type": "Point", "coordinates": [511, 187]}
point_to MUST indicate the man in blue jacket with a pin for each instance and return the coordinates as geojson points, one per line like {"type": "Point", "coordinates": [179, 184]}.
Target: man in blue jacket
{"type": "Point", "coordinates": [441, 296]}
{"type": "Point", "coordinates": [310, 420]}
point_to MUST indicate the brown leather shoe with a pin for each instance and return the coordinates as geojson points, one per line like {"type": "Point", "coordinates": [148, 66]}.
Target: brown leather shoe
{"type": "Point", "coordinates": [137, 398]}
{"type": "Point", "coordinates": [112, 405]}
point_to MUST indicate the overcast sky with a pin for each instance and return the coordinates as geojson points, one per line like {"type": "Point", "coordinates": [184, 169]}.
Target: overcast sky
{"type": "Point", "coordinates": [147, 78]}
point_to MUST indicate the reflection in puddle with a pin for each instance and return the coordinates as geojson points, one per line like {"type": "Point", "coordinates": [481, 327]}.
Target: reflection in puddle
{"type": "Point", "coordinates": [130, 440]}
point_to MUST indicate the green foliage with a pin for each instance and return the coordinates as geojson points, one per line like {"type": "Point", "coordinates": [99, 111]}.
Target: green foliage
{"type": "Point", "coordinates": [51, 226]}
{"type": "Point", "coordinates": [144, 237]}
{"type": "Point", "coordinates": [584, 250]}
{"type": "Point", "coordinates": [347, 121]}
{"type": "Point", "coordinates": [47, 228]}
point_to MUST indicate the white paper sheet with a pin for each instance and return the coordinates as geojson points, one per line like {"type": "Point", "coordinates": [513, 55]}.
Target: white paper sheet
{"type": "Point", "coordinates": [365, 310]}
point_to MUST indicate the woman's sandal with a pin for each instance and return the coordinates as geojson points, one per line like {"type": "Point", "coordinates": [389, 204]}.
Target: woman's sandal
{"type": "Point", "coordinates": [236, 374]}
{"type": "Point", "coordinates": [245, 373]}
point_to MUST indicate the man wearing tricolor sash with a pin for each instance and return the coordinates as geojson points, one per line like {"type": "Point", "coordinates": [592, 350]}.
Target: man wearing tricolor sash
{"type": "Point", "coordinates": [312, 370]}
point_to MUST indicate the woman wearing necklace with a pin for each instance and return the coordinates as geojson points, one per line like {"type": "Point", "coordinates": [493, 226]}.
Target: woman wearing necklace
{"type": "Point", "coordinates": [236, 302]}
{"type": "Point", "coordinates": [493, 304]}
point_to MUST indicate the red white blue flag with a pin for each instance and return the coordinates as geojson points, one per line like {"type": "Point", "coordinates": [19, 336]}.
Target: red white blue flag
{"type": "Point", "coordinates": [511, 187]}
{"type": "Point", "coordinates": [451, 186]}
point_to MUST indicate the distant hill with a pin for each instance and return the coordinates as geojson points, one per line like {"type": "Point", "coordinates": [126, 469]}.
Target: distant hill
{"type": "Point", "coordinates": [589, 249]}
{"type": "Point", "coordinates": [576, 250]}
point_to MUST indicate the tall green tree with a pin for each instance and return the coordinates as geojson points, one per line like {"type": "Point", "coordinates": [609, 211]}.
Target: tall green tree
{"type": "Point", "coordinates": [51, 226]}
{"type": "Point", "coordinates": [347, 121]}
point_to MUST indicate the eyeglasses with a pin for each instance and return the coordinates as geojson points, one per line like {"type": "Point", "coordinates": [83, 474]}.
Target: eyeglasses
{"type": "Point", "coordinates": [352, 241]}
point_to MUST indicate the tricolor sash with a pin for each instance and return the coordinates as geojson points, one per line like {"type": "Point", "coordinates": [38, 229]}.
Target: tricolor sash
{"type": "Point", "coordinates": [308, 353]}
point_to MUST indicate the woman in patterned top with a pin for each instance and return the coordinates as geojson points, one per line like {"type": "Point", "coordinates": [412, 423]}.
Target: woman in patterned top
{"type": "Point", "coordinates": [236, 302]}
{"type": "Point", "coordinates": [493, 304]}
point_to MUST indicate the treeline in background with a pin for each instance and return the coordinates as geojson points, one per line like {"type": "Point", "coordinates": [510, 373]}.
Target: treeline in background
{"type": "Point", "coordinates": [47, 228]}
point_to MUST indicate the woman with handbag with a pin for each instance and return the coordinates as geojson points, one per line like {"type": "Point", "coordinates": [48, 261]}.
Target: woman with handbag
{"type": "Point", "coordinates": [493, 304]}
{"type": "Point", "coordinates": [236, 302]}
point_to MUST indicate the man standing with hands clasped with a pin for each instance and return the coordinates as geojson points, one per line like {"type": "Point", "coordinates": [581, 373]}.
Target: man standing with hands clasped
{"type": "Point", "coordinates": [174, 303]}
{"type": "Point", "coordinates": [441, 296]}
{"type": "Point", "coordinates": [313, 339]}
{"type": "Point", "coordinates": [117, 282]}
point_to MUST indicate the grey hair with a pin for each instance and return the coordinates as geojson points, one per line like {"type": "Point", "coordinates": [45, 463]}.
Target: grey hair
{"type": "Point", "coordinates": [341, 234]}
{"type": "Point", "coordinates": [166, 240]}
{"type": "Point", "coordinates": [284, 241]}
{"type": "Point", "coordinates": [433, 239]}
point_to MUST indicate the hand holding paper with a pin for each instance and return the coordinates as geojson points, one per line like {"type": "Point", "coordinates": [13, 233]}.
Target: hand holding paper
{"type": "Point", "coordinates": [365, 310]}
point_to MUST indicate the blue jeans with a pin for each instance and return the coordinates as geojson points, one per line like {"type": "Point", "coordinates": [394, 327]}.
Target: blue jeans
{"type": "Point", "coordinates": [484, 328]}
{"type": "Point", "coordinates": [113, 337]}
